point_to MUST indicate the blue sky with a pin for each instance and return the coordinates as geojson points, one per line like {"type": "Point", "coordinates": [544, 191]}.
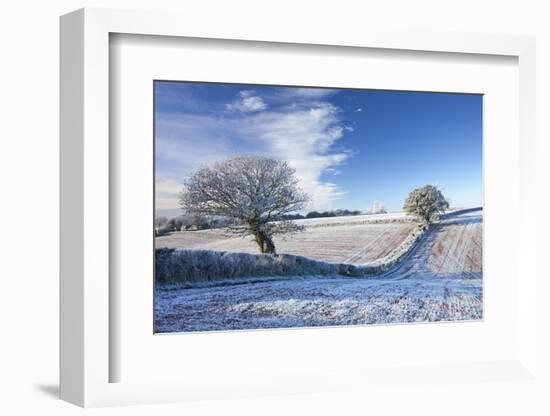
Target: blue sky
{"type": "Point", "coordinates": [349, 147]}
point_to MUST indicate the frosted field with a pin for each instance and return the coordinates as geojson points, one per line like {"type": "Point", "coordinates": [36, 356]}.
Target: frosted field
{"type": "Point", "coordinates": [441, 280]}
{"type": "Point", "coordinates": [372, 218]}
{"type": "Point", "coordinates": [341, 242]}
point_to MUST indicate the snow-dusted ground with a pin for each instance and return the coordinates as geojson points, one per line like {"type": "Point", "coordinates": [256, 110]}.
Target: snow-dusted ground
{"type": "Point", "coordinates": [440, 280]}
{"type": "Point", "coordinates": [390, 216]}
{"type": "Point", "coordinates": [346, 243]}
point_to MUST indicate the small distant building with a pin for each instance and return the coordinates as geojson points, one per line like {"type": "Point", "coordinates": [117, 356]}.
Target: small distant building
{"type": "Point", "coordinates": [377, 208]}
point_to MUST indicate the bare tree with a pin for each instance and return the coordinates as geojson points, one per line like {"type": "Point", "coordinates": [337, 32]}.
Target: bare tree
{"type": "Point", "coordinates": [426, 203]}
{"type": "Point", "coordinates": [378, 208]}
{"type": "Point", "coordinates": [254, 192]}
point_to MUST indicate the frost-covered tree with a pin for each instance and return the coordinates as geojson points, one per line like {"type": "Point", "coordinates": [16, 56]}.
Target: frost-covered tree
{"type": "Point", "coordinates": [160, 222]}
{"type": "Point", "coordinates": [426, 203]}
{"type": "Point", "coordinates": [255, 192]}
{"type": "Point", "coordinates": [377, 208]}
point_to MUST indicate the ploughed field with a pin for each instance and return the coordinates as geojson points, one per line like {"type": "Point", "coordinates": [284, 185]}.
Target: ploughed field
{"type": "Point", "coordinates": [440, 280]}
{"type": "Point", "coordinates": [341, 241]}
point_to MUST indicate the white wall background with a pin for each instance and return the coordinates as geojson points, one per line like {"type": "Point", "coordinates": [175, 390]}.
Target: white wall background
{"type": "Point", "coordinates": [29, 205]}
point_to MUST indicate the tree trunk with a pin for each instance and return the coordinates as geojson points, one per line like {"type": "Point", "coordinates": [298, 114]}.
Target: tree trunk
{"type": "Point", "coordinates": [258, 240]}
{"type": "Point", "coordinates": [269, 245]}
{"type": "Point", "coordinates": [265, 242]}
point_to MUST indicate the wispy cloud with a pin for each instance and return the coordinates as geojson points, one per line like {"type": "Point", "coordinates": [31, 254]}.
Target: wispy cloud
{"type": "Point", "coordinates": [308, 136]}
{"type": "Point", "coordinates": [247, 102]}
{"type": "Point", "coordinates": [166, 193]}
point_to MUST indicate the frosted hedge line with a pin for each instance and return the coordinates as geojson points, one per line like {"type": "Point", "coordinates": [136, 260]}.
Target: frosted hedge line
{"type": "Point", "coordinates": [188, 265]}
{"type": "Point", "coordinates": [391, 260]}
{"type": "Point", "coordinates": [388, 262]}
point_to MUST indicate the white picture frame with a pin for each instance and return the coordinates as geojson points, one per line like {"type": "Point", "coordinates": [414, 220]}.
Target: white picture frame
{"type": "Point", "coordinates": [86, 355]}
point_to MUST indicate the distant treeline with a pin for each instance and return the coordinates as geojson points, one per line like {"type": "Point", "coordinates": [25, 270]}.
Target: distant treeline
{"type": "Point", "coordinates": [186, 222]}
{"type": "Point", "coordinates": [322, 214]}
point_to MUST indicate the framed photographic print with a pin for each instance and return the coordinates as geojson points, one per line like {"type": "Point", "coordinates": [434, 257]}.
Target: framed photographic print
{"type": "Point", "coordinates": [283, 213]}
{"type": "Point", "coordinates": [315, 206]}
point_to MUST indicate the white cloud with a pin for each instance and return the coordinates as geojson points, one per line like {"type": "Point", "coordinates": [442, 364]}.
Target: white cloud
{"type": "Point", "coordinates": [190, 141]}
{"type": "Point", "coordinates": [358, 110]}
{"type": "Point", "coordinates": [166, 193]}
{"type": "Point", "coordinates": [305, 136]}
{"type": "Point", "coordinates": [248, 102]}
